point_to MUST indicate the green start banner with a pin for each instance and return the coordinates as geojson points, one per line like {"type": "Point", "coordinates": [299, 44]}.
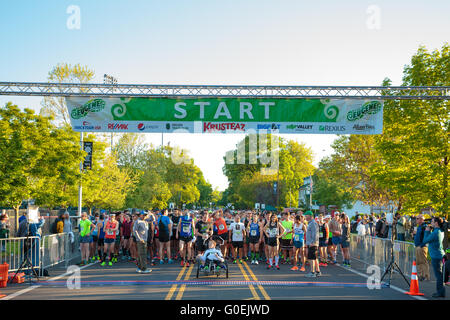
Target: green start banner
{"type": "Point", "coordinates": [226, 115]}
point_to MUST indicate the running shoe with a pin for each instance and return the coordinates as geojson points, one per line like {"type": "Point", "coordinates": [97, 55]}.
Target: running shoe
{"type": "Point", "coordinates": [170, 261]}
{"type": "Point", "coordinates": [147, 271]}
{"type": "Point", "coordinates": [294, 268]}
{"type": "Point", "coordinates": [269, 267]}
{"type": "Point", "coordinates": [318, 274]}
{"type": "Point", "coordinates": [310, 275]}
{"type": "Point", "coordinates": [161, 261]}
{"type": "Point", "coordinates": [182, 263]}
{"type": "Point", "coordinates": [103, 263]}
{"type": "Point", "coordinates": [302, 269]}
{"type": "Point", "coordinates": [253, 262]}
{"type": "Point", "coordinates": [206, 268]}
{"type": "Point", "coordinates": [217, 268]}
{"type": "Point", "coordinates": [324, 265]}
{"type": "Point", "coordinates": [278, 267]}
{"type": "Point", "coordinates": [187, 264]}
{"type": "Point", "coordinates": [82, 263]}
{"type": "Point", "coordinates": [240, 261]}
{"type": "Point", "coordinates": [138, 270]}
{"type": "Point", "coordinates": [256, 262]}
{"type": "Point", "coordinates": [110, 263]}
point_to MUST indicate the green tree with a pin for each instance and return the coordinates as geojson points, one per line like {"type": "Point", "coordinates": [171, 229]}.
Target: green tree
{"type": "Point", "coordinates": [415, 140]}
{"type": "Point", "coordinates": [64, 73]}
{"type": "Point", "coordinates": [39, 160]}
{"type": "Point", "coordinates": [248, 183]}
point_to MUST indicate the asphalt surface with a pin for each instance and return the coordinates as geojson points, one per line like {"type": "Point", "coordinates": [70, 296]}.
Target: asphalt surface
{"type": "Point", "coordinates": [172, 282]}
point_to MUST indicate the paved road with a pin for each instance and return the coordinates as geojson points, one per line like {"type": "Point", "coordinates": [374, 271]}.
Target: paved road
{"type": "Point", "coordinates": [172, 282]}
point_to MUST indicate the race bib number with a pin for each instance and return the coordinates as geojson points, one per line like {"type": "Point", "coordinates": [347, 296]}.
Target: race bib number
{"type": "Point", "coordinates": [221, 227]}
{"type": "Point", "coordinates": [320, 234]}
{"type": "Point", "coordinates": [297, 237]}
{"type": "Point", "coordinates": [253, 233]}
{"type": "Point", "coordinates": [186, 229]}
{"type": "Point", "coordinates": [110, 232]}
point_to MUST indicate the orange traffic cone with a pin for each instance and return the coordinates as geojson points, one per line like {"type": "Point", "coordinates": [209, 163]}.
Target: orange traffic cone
{"type": "Point", "coordinates": [414, 287]}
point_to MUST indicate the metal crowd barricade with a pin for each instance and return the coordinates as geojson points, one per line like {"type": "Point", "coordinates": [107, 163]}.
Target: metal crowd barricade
{"type": "Point", "coordinates": [58, 248]}
{"type": "Point", "coordinates": [13, 251]}
{"type": "Point", "coordinates": [42, 252]}
{"type": "Point", "coordinates": [377, 251]}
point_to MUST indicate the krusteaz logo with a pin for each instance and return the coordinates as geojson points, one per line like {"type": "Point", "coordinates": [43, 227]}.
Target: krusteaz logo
{"type": "Point", "coordinates": [94, 105]}
{"type": "Point", "coordinates": [370, 107]}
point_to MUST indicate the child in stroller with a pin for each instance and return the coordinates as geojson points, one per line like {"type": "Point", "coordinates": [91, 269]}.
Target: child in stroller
{"type": "Point", "coordinates": [211, 255]}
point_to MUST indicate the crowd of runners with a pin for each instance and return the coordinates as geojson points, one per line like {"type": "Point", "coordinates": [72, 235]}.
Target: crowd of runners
{"type": "Point", "coordinates": [294, 239]}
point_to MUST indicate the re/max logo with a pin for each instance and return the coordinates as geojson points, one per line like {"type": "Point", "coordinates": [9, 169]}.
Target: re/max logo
{"type": "Point", "coordinates": [117, 126]}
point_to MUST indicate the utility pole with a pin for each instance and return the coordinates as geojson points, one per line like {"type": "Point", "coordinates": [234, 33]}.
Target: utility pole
{"type": "Point", "coordinates": [80, 187]}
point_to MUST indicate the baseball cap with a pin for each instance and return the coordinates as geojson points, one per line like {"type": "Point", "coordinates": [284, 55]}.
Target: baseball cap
{"type": "Point", "coordinates": [327, 216]}
{"type": "Point", "coordinates": [308, 213]}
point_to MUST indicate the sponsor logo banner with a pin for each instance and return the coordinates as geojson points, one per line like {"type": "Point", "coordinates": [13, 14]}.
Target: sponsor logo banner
{"type": "Point", "coordinates": [234, 115]}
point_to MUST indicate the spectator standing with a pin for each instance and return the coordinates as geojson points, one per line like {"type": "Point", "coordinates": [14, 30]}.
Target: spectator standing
{"type": "Point", "coordinates": [4, 230]}
{"type": "Point", "coordinates": [312, 242]}
{"type": "Point", "coordinates": [434, 239]}
{"type": "Point", "coordinates": [140, 231]}
{"type": "Point", "coordinates": [400, 224]}
{"type": "Point", "coordinates": [423, 269]}
{"type": "Point", "coordinates": [361, 228]}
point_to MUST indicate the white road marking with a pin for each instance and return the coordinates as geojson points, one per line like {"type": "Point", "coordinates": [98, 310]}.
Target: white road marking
{"type": "Point", "coordinates": [391, 286]}
{"type": "Point", "coordinates": [23, 291]}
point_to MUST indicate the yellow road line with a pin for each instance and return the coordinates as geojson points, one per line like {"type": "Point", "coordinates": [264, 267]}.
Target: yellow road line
{"type": "Point", "coordinates": [183, 287]}
{"type": "Point", "coordinates": [174, 287]}
{"type": "Point", "coordinates": [263, 291]}
{"type": "Point", "coordinates": [252, 289]}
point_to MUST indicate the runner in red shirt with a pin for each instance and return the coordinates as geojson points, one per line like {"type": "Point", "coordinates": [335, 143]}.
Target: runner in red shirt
{"type": "Point", "coordinates": [222, 231]}
{"type": "Point", "coordinates": [111, 230]}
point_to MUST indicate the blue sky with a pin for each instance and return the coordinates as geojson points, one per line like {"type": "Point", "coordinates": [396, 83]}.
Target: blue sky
{"type": "Point", "coordinates": [219, 42]}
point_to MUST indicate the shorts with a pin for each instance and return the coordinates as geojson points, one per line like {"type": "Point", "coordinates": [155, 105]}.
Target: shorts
{"type": "Point", "coordinates": [95, 238]}
{"type": "Point", "coordinates": [164, 237]}
{"type": "Point", "coordinates": [330, 242]}
{"type": "Point", "coordinates": [101, 241]}
{"type": "Point", "coordinates": [109, 240]}
{"type": "Point", "coordinates": [174, 235]}
{"type": "Point", "coordinates": [336, 240]}
{"type": "Point", "coordinates": [126, 237]}
{"type": "Point", "coordinates": [85, 239]}
{"type": "Point", "coordinates": [312, 253]}
{"type": "Point", "coordinates": [186, 239]}
{"type": "Point", "coordinates": [345, 243]}
{"type": "Point", "coordinates": [254, 240]}
{"type": "Point", "coordinates": [286, 243]}
{"type": "Point", "coordinates": [134, 239]}
{"type": "Point", "coordinates": [117, 240]}
{"type": "Point", "coordinates": [298, 244]}
{"type": "Point", "coordinates": [224, 236]}
{"type": "Point", "coordinates": [323, 243]}
{"type": "Point", "coordinates": [238, 244]}
{"type": "Point", "coordinates": [272, 242]}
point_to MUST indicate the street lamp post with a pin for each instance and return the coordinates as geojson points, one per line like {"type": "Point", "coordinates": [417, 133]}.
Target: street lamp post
{"type": "Point", "coordinates": [107, 79]}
